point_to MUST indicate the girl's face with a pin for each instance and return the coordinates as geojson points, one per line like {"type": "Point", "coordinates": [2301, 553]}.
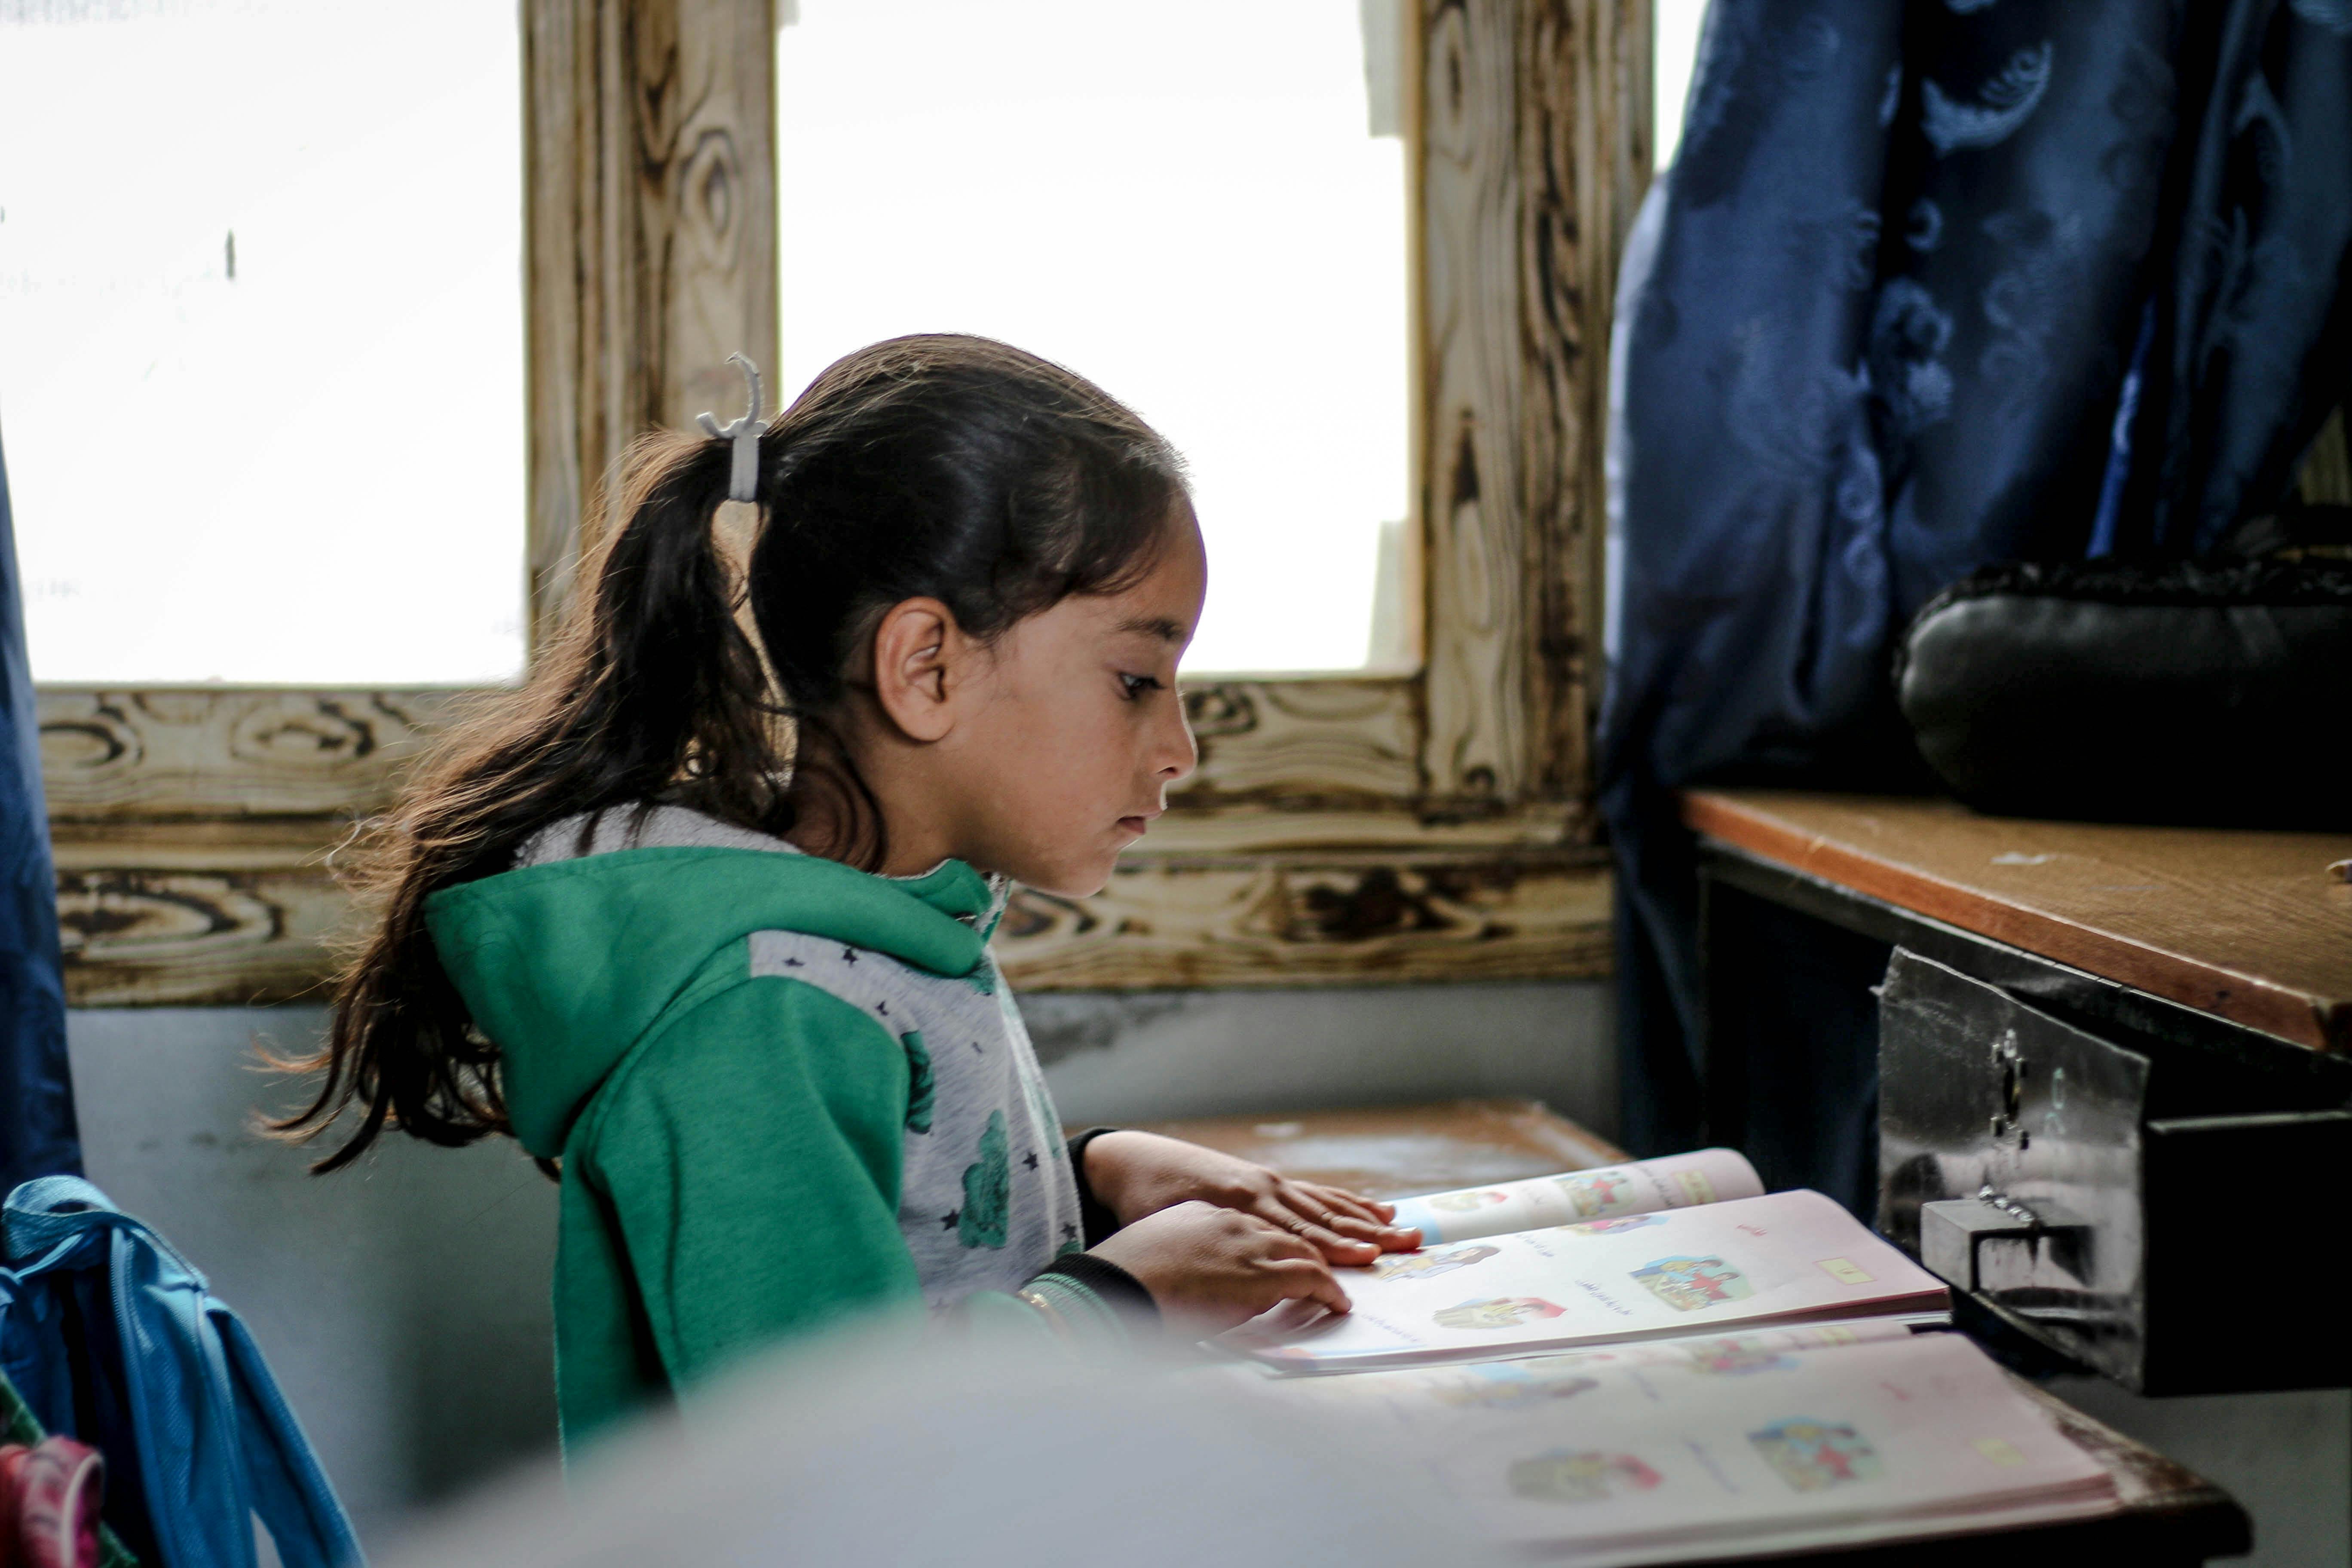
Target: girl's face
{"type": "Point", "coordinates": [1061, 739]}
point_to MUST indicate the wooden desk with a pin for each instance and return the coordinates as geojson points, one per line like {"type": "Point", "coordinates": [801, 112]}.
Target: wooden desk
{"type": "Point", "coordinates": [2252, 928]}
{"type": "Point", "coordinates": [1397, 1151]}
{"type": "Point", "coordinates": [2167, 1516]}
{"type": "Point", "coordinates": [2079, 1019]}
{"type": "Point", "coordinates": [2233, 949]}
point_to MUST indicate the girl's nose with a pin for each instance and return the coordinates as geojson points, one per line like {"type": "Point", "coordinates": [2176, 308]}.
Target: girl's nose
{"type": "Point", "coordinates": [1177, 752]}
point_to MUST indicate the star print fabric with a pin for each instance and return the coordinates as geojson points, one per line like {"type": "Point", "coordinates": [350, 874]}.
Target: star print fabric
{"type": "Point", "coordinates": [987, 1197]}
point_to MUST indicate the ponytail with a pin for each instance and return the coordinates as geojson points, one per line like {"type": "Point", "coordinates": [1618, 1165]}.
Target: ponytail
{"type": "Point", "coordinates": [651, 692]}
{"type": "Point", "coordinates": [949, 468]}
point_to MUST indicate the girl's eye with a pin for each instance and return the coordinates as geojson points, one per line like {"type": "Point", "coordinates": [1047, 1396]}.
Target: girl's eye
{"type": "Point", "coordinates": [1137, 685]}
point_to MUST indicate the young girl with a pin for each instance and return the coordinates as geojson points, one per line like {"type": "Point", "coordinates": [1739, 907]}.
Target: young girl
{"type": "Point", "coordinates": [702, 918]}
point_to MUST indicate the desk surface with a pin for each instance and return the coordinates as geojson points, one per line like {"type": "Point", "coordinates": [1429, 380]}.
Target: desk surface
{"type": "Point", "coordinates": [2251, 927]}
{"type": "Point", "coordinates": [2152, 1489]}
{"type": "Point", "coordinates": [1397, 1151]}
{"type": "Point", "coordinates": [2166, 1515]}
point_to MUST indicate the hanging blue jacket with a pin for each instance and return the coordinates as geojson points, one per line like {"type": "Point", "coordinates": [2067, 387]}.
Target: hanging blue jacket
{"type": "Point", "coordinates": [37, 1136]}
{"type": "Point", "coordinates": [109, 1335]}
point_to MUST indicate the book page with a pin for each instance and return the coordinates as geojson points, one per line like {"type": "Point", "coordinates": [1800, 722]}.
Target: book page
{"type": "Point", "coordinates": [1721, 1442]}
{"type": "Point", "coordinates": [1645, 1186]}
{"type": "Point", "coordinates": [1784, 1257]}
{"type": "Point", "coordinates": [1481, 1383]}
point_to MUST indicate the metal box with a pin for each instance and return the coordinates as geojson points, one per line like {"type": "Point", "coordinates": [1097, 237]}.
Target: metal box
{"type": "Point", "coordinates": [2165, 1216]}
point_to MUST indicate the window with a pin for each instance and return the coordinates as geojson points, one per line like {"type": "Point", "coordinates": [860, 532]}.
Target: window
{"type": "Point", "coordinates": [1203, 208]}
{"type": "Point", "coordinates": [261, 339]}
{"type": "Point", "coordinates": [1348, 823]}
{"type": "Point", "coordinates": [1678, 24]}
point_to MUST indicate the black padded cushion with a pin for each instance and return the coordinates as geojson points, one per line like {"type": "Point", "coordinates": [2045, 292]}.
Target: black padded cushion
{"type": "Point", "coordinates": [2211, 694]}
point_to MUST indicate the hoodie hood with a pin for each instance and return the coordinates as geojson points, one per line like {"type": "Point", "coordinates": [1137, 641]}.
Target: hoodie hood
{"type": "Point", "coordinates": [566, 965]}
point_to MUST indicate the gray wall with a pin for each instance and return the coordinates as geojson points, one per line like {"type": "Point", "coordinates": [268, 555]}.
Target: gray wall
{"type": "Point", "coordinates": [1208, 1053]}
{"type": "Point", "coordinates": [404, 1304]}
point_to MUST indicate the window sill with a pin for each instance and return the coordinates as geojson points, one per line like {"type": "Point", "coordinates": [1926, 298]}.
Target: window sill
{"type": "Point", "coordinates": [193, 831]}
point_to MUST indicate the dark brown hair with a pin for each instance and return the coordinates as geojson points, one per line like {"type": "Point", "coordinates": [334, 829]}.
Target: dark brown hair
{"type": "Point", "coordinates": [952, 468]}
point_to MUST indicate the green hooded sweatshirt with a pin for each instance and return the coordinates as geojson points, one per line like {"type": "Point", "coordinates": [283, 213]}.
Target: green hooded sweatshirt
{"type": "Point", "coordinates": [783, 1091]}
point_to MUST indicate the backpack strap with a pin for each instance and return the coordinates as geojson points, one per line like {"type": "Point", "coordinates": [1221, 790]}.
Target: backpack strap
{"type": "Point", "coordinates": [216, 1441]}
{"type": "Point", "coordinates": [290, 1492]}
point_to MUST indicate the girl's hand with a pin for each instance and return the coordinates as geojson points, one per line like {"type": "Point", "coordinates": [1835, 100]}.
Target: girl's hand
{"type": "Point", "coordinates": [1211, 1267]}
{"type": "Point", "coordinates": [1139, 1174]}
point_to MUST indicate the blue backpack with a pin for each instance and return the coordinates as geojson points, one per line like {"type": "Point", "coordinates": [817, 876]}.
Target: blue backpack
{"type": "Point", "coordinates": [111, 1336]}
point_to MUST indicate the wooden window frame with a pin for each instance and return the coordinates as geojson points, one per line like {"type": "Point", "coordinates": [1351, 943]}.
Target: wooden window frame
{"type": "Point", "coordinates": [1436, 825]}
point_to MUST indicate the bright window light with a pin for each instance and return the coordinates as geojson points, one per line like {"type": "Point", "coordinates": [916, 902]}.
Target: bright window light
{"type": "Point", "coordinates": [1199, 208]}
{"type": "Point", "coordinates": [261, 387]}
{"type": "Point", "coordinates": [1674, 51]}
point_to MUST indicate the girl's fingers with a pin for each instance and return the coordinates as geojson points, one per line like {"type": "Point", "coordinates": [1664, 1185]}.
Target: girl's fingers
{"type": "Point", "coordinates": [1340, 1201]}
{"type": "Point", "coordinates": [1341, 1249]}
{"type": "Point", "coordinates": [1288, 1242]}
{"type": "Point", "coordinates": [1304, 1281]}
{"type": "Point", "coordinates": [1353, 1202]}
{"type": "Point", "coordinates": [1334, 1209]}
{"type": "Point", "coordinates": [1378, 1237]}
{"type": "Point", "coordinates": [1386, 1237]}
{"type": "Point", "coordinates": [1327, 1241]}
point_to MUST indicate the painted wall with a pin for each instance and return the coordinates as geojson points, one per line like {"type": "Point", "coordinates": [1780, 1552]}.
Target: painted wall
{"type": "Point", "coordinates": [1207, 1053]}
{"type": "Point", "coordinates": [405, 1304]}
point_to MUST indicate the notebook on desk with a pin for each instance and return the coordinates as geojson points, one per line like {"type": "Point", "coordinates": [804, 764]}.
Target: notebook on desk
{"type": "Point", "coordinates": [1658, 1361]}
{"type": "Point", "coordinates": [1757, 1444]}
{"type": "Point", "coordinates": [1651, 1249]}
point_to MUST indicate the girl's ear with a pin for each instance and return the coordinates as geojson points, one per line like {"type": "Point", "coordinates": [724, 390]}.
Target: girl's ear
{"type": "Point", "coordinates": [920, 658]}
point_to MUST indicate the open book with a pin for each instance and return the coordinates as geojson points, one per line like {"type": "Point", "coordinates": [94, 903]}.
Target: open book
{"type": "Point", "coordinates": [1575, 1197]}
{"type": "Point", "coordinates": [1649, 1250]}
{"type": "Point", "coordinates": [1658, 1361]}
{"type": "Point", "coordinates": [1768, 1442]}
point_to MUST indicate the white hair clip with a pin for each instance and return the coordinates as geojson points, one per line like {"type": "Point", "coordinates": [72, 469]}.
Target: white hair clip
{"type": "Point", "coordinates": [743, 479]}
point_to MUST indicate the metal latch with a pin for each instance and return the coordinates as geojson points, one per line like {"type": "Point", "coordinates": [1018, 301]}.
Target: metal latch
{"type": "Point", "coordinates": [2010, 1071]}
{"type": "Point", "coordinates": [1952, 1230]}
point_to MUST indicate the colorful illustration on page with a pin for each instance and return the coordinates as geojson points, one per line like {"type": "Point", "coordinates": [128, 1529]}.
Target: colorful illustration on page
{"type": "Point", "coordinates": [1611, 1227]}
{"type": "Point", "coordinates": [1596, 1192]}
{"type": "Point", "coordinates": [1427, 1264]}
{"type": "Point", "coordinates": [1693, 1284]}
{"type": "Point", "coordinates": [1496, 1312]}
{"type": "Point", "coordinates": [1466, 1203]}
{"type": "Point", "coordinates": [1813, 1454]}
{"type": "Point", "coordinates": [1566, 1475]}
{"type": "Point", "coordinates": [1511, 1386]}
{"type": "Point", "coordinates": [1737, 1358]}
